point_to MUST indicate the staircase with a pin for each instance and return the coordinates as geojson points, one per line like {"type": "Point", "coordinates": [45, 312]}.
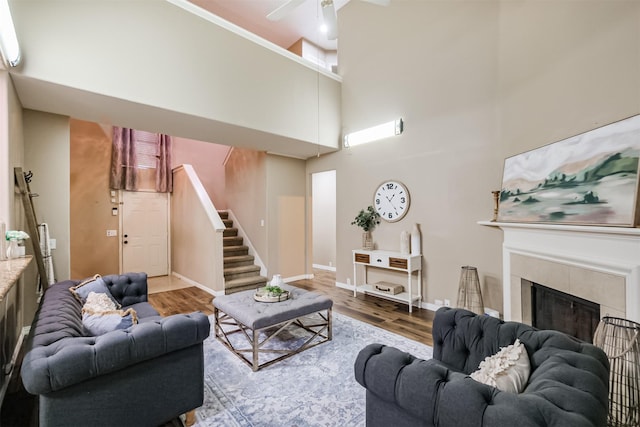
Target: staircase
{"type": "Point", "coordinates": [240, 272]}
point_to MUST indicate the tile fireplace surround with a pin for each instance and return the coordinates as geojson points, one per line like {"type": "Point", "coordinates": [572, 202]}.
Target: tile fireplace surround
{"type": "Point", "coordinates": [599, 264]}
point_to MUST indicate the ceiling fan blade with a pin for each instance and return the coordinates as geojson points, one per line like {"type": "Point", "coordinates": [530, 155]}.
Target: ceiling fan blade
{"type": "Point", "coordinates": [330, 19]}
{"type": "Point", "coordinates": [282, 10]}
{"type": "Point", "coordinates": [379, 2]}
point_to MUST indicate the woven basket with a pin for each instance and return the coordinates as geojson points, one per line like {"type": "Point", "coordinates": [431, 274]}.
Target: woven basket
{"type": "Point", "coordinates": [620, 340]}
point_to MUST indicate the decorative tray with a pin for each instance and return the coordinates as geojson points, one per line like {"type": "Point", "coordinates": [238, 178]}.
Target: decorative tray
{"type": "Point", "coordinates": [263, 295]}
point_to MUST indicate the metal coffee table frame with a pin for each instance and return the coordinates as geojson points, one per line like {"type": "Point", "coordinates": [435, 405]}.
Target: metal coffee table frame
{"type": "Point", "coordinates": [320, 332]}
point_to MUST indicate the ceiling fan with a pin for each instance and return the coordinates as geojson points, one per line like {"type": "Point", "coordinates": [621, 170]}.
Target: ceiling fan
{"type": "Point", "coordinates": [328, 13]}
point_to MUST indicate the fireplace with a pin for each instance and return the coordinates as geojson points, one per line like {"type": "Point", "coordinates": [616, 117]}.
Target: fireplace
{"type": "Point", "coordinates": [597, 264]}
{"type": "Point", "coordinates": [552, 309]}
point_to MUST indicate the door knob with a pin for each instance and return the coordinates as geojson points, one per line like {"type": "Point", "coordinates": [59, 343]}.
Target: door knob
{"type": "Point", "coordinates": [125, 242]}
{"type": "Point", "coordinates": [126, 235]}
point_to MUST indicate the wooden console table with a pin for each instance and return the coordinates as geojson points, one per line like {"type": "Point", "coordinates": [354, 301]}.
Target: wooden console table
{"type": "Point", "coordinates": [389, 260]}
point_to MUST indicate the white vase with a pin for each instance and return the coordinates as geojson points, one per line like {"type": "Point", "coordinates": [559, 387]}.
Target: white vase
{"type": "Point", "coordinates": [416, 240]}
{"type": "Point", "coordinates": [12, 249]}
{"type": "Point", "coordinates": [3, 231]}
{"type": "Point", "coordinates": [405, 242]}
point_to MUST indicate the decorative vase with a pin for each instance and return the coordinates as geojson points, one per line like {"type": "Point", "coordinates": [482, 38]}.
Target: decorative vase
{"type": "Point", "coordinates": [3, 234]}
{"type": "Point", "coordinates": [405, 242]}
{"type": "Point", "coordinates": [416, 240]}
{"type": "Point", "coordinates": [276, 280]}
{"type": "Point", "coordinates": [12, 249]}
{"type": "Point", "coordinates": [367, 241]}
{"type": "Point", "coordinates": [469, 292]}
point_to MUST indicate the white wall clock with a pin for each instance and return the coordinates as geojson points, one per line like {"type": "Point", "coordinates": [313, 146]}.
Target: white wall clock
{"type": "Point", "coordinates": [391, 200]}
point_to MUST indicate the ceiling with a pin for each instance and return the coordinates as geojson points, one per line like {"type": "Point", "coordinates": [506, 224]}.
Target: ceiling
{"type": "Point", "coordinates": [302, 22]}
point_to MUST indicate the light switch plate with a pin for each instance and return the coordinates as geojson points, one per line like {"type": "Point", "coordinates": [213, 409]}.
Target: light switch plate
{"type": "Point", "coordinates": [112, 233]}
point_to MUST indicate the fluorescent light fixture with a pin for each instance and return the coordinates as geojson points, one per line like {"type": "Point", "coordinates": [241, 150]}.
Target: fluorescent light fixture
{"type": "Point", "coordinates": [8, 39]}
{"type": "Point", "coordinates": [385, 130]}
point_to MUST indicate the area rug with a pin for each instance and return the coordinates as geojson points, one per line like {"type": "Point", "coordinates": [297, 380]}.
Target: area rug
{"type": "Point", "coordinates": [313, 388]}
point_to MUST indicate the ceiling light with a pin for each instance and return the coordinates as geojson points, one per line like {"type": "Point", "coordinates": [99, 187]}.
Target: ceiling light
{"type": "Point", "coordinates": [330, 19]}
{"type": "Point", "coordinates": [374, 133]}
{"type": "Point", "coordinates": [324, 29]}
{"type": "Point", "coordinates": [8, 40]}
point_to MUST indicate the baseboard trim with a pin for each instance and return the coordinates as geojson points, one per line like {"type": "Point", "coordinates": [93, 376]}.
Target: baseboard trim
{"type": "Point", "coordinates": [425, 305]}
{"type": "Point", "coordinates": [324, 267]}
{"type": "Point", "coordinates": [300, 277]}
{"type": "Point", "coordinates": [197, 285]}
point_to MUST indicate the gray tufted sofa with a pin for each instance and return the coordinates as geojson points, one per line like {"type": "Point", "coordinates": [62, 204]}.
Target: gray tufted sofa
{"type": "Point", "coordinates": [141, 376]}
{"type": "Point", "coordinates": [568, 385]}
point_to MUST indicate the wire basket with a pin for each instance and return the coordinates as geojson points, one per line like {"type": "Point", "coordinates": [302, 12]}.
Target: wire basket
{"type": "Point", "coordinates": [620, 340]}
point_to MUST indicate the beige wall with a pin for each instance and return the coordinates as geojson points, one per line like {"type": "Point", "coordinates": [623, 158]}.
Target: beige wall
{"type": "Point", "coordinates": [267, 195]}
{"type": "Point", "coordinates": [246, 187]}
{"type": "Point", "coordinates": [475, 82]}
{"type": "Point", "coordinates": [196, 232]}
{"type": "Point", "coordinates": [178, 74]}
{"type": "Point", "coordinates": [92, 252]}
{"type": "Point", "coordinates": [46, 142]}
{"type": "Point", "coordinates": [286, 216]}
{"type": "Point", "coordinates": [323, 218]}
{"type": "Point", "coordinates": [11, 150]}
{"type": "Point", "coordinates": [22, 300]}
{"type": "Point", "coordinates": [207, 160]}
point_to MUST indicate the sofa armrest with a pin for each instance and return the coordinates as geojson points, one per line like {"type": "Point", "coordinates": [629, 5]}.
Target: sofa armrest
{"type": "Point", "coordinates": [69, 361]}
{"type": "Point", "coordinates": [401, 379]}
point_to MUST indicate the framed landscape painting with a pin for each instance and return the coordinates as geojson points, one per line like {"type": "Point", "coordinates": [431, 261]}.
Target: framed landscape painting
{"type": "Point", "coordinates": [588, 179]}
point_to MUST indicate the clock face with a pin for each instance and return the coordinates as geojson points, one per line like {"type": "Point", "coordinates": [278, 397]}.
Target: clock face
{"type": "Point", "coordinates": [391, 200]}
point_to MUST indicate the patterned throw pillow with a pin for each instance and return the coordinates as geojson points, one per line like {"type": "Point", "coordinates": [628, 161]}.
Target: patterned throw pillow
{"type": "Point", "coordinates": [93, 284]}
{"type": "Point", "coordinates": [98, 302]}
{"type": "Point", "coordinates": [507, 370]}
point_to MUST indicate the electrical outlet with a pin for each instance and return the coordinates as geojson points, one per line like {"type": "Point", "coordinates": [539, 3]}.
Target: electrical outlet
{"type": "Point", "coordinates": [447, 303]}
{"type": "Point", "coordinates": [112, 233]}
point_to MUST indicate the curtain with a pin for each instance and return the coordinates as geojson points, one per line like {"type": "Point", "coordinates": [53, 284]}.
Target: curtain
{"type": "Point", "coordinates": [123, 160]}
{"type": "Point", "coordinates": [164, 177]}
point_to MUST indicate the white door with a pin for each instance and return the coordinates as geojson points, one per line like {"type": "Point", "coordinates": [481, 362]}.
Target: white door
{"type": "Point", "coordinates": [145, 224]}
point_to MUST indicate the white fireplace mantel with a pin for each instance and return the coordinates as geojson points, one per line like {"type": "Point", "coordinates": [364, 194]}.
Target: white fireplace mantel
{"type": "Point", "coordinates": [610, 250]}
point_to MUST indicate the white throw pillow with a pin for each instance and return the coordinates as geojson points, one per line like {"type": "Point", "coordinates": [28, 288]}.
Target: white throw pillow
{"type": "Point", "coordinates": [507, 370]}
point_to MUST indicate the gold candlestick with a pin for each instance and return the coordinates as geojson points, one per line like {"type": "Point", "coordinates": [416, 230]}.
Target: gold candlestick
{"type": "Point", "coordinates": [496, 204]}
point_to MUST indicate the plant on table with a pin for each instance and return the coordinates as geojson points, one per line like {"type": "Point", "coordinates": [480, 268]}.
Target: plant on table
{"type": "Point", "coordinates": [367, 219]}
{"type": "Point", "coordinates": [274, 290]}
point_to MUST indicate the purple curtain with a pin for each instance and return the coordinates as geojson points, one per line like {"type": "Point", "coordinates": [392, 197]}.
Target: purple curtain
{"type": "Point", "coordinates": [123, 160]}
{"type": "Point", "coordinates": [164, 177]}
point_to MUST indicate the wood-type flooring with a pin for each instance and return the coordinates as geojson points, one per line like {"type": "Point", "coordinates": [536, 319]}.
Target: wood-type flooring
{"type": "Point", "coordinates": [390, 315]}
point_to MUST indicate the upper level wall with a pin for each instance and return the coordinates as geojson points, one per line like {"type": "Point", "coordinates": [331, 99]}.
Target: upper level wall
{"type": "Point", "coordinates": [154, 65]}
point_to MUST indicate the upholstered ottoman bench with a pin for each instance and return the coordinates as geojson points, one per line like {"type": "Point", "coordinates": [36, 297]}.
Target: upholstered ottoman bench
{"type": "Point", "coordinates": [240, 320]}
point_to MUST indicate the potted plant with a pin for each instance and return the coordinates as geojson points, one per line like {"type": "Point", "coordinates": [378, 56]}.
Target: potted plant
{"type": "Point", "coordinates": [367, 220]}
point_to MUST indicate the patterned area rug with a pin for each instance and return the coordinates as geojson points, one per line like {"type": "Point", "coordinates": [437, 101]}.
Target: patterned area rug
{"type": "Point", "coordinates": [313, 388]}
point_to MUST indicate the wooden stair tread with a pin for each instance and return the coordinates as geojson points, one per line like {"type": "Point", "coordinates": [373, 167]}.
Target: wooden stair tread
{"type": "Point", "coordinates": [245, 281]}
{"type": "Point", "coordinates": [233, 259]}
{"type": "Point", "coordinates": [241, 269]}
